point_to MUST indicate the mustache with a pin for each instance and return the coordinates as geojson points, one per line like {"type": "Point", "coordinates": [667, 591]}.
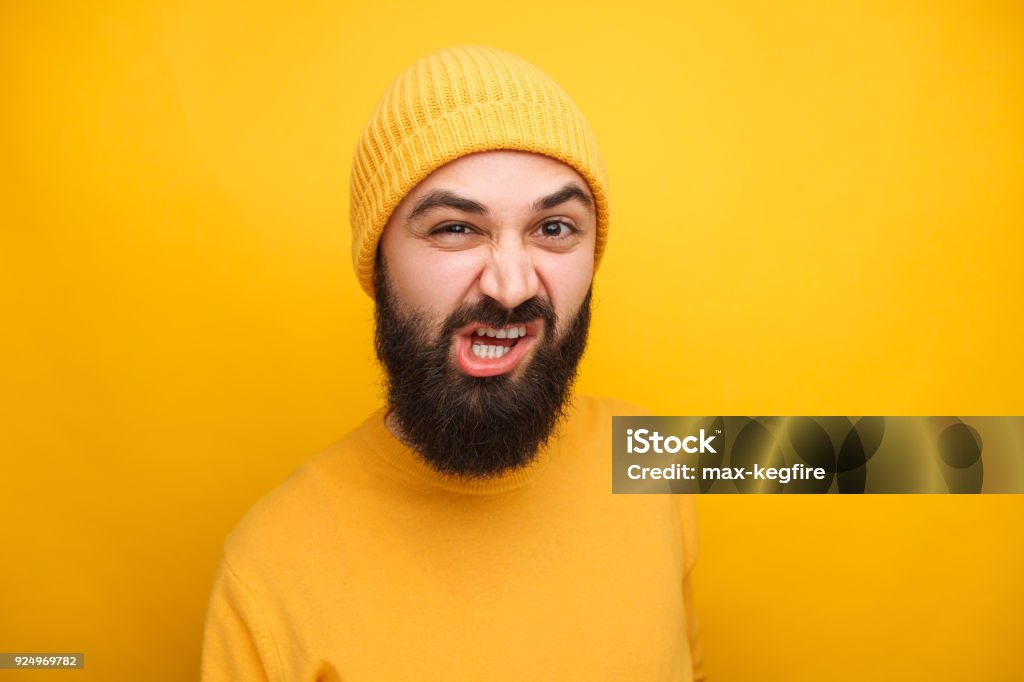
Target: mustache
{"type": "Point", "coordinates": [489, 312]}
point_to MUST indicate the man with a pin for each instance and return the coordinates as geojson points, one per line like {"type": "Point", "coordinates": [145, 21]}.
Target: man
{"type": "Point", "coordinates": [467, 531]}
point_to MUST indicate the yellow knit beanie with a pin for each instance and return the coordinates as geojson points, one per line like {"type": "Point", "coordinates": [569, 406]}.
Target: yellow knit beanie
{"type": "Point", "coordinates": [456, 102]}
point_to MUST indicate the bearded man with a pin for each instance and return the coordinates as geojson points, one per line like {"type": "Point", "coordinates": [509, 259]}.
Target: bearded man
{"type": "Point", "coordinates": [467, 530]}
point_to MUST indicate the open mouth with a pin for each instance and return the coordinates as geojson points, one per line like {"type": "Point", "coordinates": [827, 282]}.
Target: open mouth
{"type": "Point", "coordinates": [488, 351]}
{"type": "Point", "coordinates": [493, 343]}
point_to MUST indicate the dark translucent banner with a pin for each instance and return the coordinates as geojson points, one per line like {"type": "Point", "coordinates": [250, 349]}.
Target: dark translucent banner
{"type": "Point", "coordinates": [818, 455]}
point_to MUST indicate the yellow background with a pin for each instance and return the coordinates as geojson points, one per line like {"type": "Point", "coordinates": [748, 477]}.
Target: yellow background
{"type": "Point", "coordinates": [817, 209]}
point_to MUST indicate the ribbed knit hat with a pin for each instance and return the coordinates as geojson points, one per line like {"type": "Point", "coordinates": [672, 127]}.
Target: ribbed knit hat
{"type": "Point", "coordinates": [456, 102]}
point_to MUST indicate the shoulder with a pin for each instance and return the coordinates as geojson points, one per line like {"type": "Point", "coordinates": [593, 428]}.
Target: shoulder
{"type": "Point", "coordinates": [599, 406]}
{"type": "Point", "coordinates": [296, 517]}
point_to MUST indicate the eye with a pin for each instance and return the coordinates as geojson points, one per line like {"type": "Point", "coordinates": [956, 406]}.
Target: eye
{"type": "Point", "coordinates": [452, 229]}
{"type": "Point", "coordinates": [556, 229]}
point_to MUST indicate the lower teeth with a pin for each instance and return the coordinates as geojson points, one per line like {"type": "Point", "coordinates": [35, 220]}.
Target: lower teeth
{"type": "Point", "coordinates": [490, 352]}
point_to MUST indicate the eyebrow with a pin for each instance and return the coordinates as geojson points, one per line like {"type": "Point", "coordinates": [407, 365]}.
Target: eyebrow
{"type": "Point", "coordinates": [445, 199]}
{"type": "Point", "coordinates": [569, 192]}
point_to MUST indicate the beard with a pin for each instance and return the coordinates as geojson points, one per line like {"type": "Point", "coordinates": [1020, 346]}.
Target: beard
{"type": "Point", "coordinates": [475, 427]}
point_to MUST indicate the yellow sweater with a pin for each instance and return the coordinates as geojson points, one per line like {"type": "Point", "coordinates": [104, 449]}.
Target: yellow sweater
{"type": "Point", "coordinates": [367, 565]}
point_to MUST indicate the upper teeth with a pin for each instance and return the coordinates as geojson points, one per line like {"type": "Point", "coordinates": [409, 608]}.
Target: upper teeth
{"type": "Point", "coordinates": [503, 333]}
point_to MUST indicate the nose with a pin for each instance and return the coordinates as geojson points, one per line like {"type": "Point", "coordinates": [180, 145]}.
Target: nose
{"type": "Point", "coordinates": [509, 277]}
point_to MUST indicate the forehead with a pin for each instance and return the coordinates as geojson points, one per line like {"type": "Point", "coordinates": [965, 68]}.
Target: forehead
{"type": "Point", "coordinates": [501, 180]}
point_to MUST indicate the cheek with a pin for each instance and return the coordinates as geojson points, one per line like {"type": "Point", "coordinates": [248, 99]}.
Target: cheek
{"type": "Point", "coordinates": [433, 282]}
{"type": "Point", "coordinates": [567, 280]}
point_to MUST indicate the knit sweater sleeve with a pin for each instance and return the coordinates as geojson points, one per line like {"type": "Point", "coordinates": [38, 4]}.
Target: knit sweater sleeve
{"type": "Point", "coordinates": [237, 644]}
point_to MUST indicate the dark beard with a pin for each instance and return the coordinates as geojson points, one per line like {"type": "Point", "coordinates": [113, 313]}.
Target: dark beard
{"type": "Point", "coordinates": [476, 427]}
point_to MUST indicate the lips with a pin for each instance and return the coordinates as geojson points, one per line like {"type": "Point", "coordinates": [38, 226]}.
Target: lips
{"type": "Point", "coordinates": [484, 351]}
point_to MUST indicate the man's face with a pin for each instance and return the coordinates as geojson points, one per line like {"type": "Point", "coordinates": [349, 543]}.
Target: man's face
{"type": "Point", "coordinates": [483, 284]}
